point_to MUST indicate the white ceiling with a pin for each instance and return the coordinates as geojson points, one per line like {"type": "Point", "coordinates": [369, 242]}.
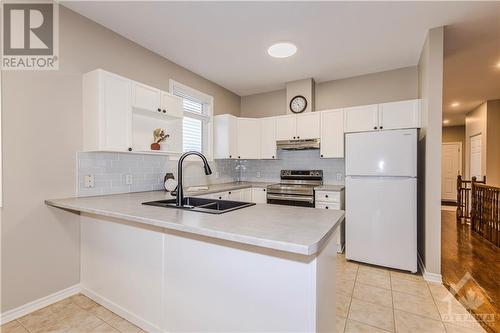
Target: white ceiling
{"type": "Point", "coordinates": [226, 42]}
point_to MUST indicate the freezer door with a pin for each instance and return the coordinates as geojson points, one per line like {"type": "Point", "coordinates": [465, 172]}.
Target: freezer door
{"type": "Point", "coordinates": [381, 221]}
{"type": "Point", "coordinates": [382, 153]}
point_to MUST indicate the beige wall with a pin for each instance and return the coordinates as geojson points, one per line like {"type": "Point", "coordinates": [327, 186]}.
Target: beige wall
{"type": "Point", "coordinates": [456, 134]}
{"type": "Point", "coordinates": [493, 148]}
{"type": "Point", "coordinates": [388, 86]}
{"type": "Point", "coordinates": [430, 90]}
{"type": "Point", "coordinates": [42, 131]}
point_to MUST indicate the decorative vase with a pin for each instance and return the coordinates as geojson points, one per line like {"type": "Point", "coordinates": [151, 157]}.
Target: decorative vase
{"type": "Point", "coordinates": [155, 146]}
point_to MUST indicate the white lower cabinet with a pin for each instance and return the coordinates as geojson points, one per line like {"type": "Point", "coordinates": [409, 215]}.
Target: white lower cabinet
{"type": "Point", "coordinates": [332, 200]}
{"type": "Point", "coordinates": [259, 195]}
{"type": "Point", "coordinates": [234, 195]}
{"type": "Point", "coordinates": [246, 195]}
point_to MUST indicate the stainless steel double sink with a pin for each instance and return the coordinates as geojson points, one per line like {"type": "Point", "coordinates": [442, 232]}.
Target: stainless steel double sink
{"type": "Point", "coordinates": [202, 205]}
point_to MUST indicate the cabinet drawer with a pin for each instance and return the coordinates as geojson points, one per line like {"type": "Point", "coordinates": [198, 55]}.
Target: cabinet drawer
{"type": "Point", "coordinates": [323, 196]}
{"type": "Point", "coordinates": [325, 205]}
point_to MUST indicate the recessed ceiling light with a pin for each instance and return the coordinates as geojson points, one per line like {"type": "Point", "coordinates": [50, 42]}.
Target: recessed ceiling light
{"type": "Point", "coordinates": [455, 104]}
{"type": "Point", "coordinates": [446, 121]}
{"type": "Point", "coordinates": [282, 50]}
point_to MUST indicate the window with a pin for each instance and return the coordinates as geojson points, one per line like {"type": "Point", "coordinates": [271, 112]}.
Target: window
{"type": "Point", "coordinates": [197, 121]}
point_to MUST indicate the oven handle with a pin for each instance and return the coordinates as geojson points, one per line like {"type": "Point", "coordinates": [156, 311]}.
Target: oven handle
{"type": "Point", "coordinates": [288, 197]}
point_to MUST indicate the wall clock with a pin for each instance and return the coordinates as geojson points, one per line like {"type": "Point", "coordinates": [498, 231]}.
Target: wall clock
{"type": "Point", "coordinates": [298, 104]}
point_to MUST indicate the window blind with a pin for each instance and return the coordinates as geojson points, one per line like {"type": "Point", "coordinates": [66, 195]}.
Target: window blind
{"type": "Point", "coordinates": [193, 121]}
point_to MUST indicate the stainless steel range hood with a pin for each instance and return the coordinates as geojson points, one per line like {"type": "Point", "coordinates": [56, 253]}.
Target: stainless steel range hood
{"type": "Point", "coordinates": [298, 144]}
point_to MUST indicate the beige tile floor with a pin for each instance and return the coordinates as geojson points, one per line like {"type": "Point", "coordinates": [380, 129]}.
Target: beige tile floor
{"type": "Point", "coordinates": [372, 299]}
{"type": "Point", "coordinates": [369, 300]}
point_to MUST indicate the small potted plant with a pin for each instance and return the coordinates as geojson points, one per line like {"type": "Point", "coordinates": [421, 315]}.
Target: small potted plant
{"type": "Point", "coordinates": [159, 136]}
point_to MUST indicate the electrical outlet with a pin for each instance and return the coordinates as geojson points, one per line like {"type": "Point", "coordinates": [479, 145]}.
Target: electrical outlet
{"type": "Point", "coordinates": [128, 179]}
{"type": "Point", "coordinates": [258, 174]}
{"type": "Point", "coordinates": [88, 181]}
{"type": "Point", "coordinates": [339, 176]}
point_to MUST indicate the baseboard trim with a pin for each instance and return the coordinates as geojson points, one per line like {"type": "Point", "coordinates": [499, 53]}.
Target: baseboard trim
{"type": "Point", "coordinates": [38, 304]}
{"type": "Point", "coordinates": [133, 318]}
{"type": "Point", "coordinates": [429, 277]}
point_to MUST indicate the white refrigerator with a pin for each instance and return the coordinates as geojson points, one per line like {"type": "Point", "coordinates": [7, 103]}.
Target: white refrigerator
{"type": "Point", "coordinates": [381, 198]}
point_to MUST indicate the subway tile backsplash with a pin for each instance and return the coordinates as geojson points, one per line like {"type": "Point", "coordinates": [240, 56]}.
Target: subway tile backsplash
{"type": "Point", "coordinates": [269, 170]}
{"type": "Point", "coordinates": [110, 170]}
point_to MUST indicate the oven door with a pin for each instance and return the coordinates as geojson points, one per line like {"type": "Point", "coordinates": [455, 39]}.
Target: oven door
{"type": "Point", "coordinates": [290, 200]}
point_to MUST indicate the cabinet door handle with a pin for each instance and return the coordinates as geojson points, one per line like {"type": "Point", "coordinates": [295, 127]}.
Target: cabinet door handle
{"type": "Point", "coordinates": [326, 207]}
{"type": "Point", "coordinates": [298, 137]}
{"type": "Point", "coordinates": [230, 156]}
{"type": "Point", "coordinates": [159, 110]}
{"type": "Point", "coordinates": [294, 137]}
{"type": "Point", "coordinates": [229, 192]}
{"type": "Point", "coordinates": [273, 156]}
{"type": "Point", "coordinates": [129, 148]}
{"type": "Point", "coordinates": [326, 195]}
{"type": "Point", "coordinates": [381, 127]}
{"type": "Point", "coordinates": [264, 189]}
{"type": "Point", "coordinates": [164, 111]}
{"type": "Point", "coordinates": [375, 127]}
{"type": "Point", "coordinates": [321, 155]}
{"type": "Point", "coordinates": [239, 156]}
{"type": "Point", "coordinates": [220, 198]}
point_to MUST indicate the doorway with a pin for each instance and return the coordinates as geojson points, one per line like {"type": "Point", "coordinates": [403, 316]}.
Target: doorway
{"type": "Point", "coordinates": [451, 167]}
{"type": "Point", "coordinates": [475, 156]}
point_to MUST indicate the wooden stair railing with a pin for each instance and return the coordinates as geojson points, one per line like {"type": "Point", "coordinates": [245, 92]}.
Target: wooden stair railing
{"type": "Point", "coordinates": [485, 212]}
{"type": "Point", "coordinates": [464, 188]}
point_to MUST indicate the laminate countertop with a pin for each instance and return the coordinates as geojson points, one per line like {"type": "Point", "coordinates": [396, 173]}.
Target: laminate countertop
{"type": "Point", "coordinates": [290, 229]}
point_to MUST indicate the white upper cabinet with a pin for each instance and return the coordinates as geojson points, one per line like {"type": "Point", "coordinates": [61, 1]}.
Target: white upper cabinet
{"type": "Point", "coordinates": [308, 125]}
{"type": "Point", "coordinates": [171, 105]}
{"type": "Point", "coordinates": [145, 97]}
{"type": "Point", "coordinates": [286, 127]}
{"type": "Point", "coordinates": [298, 127]}
{"type": "Point", "coordinates": [332, 134]}
{"type": "Point", "coordinates": [225, 136]}
{"type": "Point", "coordinates": [107, 112]}
{"type": "Point", "coordinates": [248, 138]}
{"type": "Point", "coordinates": [403, 114]}
{"type": "Point", "coordinates": [268, 138]}
{"type": "Point", "coordinates": [361, 118]}
{"type": "Point", "coordinates": [121, 114]}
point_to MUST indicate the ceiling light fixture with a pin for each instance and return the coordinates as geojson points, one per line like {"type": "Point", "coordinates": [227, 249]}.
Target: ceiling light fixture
{"type": "Point", "coordinates": [282, 50]}
{"type": "Point", "coordinates": [446, 121]}
{"type": "Point", "coordinates": [455, 104]}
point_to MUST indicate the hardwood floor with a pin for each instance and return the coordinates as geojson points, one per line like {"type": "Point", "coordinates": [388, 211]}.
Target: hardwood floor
{"type": "Point", "coordinates": [470, 266]}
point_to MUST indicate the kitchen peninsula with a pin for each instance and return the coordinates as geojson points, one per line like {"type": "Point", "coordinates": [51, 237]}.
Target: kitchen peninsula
{"type": "Point", "coordinates": [260, 268]}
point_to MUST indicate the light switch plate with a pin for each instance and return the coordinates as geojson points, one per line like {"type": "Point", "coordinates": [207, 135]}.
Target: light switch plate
{"type": "Point", "coordinates": [259, 174]}
{"type": "Point", "coordinates": [339, 176]}
{"type": "Point", "coordinates": [129, 179]}
{"type": "Point", "coordinates": [88, 181]}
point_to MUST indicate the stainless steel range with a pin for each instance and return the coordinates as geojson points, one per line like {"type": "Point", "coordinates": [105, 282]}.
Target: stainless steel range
{"type": "Point", "coordinates": [296, 188]}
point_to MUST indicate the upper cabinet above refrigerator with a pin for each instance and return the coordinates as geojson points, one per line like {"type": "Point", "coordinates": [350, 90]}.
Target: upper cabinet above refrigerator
{"type": "Point", "coordinates": [393, 115]}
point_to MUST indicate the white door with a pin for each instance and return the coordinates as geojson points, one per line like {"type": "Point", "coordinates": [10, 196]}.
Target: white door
{"type": "Point", "coordinates": [381, 221]}
{"type": "Point", "coordinates": [248, 138]}
{"type": "Point", "coordinates": [361, 118]}
{"type": "Point", "coordinates": [145, 97]}
{"type": "Point", "coordinates": [332, 134]}
{"type": "Point", "coordinates": [475, 156]}
{"type": "Point", "coordinates": [172, 105]}
{"type": "Point", "coordinates": [308, 125]}
{"type": "Point", "coordinates": [382, 153]}
{"type": "Point", "coordinates": [225, 136]}
{"type": "Point", "coordinates": [116, 113]}
{"type": "Point", "coordinates": [403, 114]}
{"type": "Point", "coordinates": [268, 138]}
{"type": "Point", "coordinates": [450, 169]}
{"type": "Point", "coordinates": [286, 128]}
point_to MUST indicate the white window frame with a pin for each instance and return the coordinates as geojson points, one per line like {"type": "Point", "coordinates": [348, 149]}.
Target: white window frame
{"type": "Point", "coordinates": [208, 105]}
